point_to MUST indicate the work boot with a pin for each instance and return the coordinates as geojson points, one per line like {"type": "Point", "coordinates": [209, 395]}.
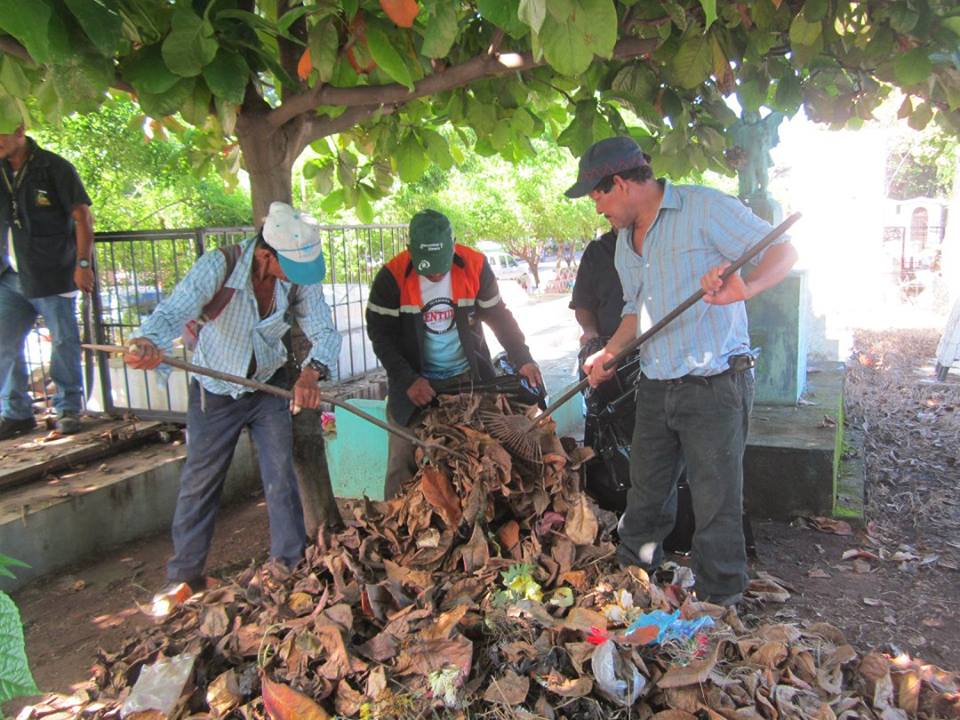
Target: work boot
{"type": "Point", "coordinates": [11, 428]}
{"type": "Point", "coordinates": [68, 423]}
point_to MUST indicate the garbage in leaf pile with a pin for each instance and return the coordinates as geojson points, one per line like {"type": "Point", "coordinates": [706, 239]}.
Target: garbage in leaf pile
{"type": "Point", "coordinates": [488, 586]}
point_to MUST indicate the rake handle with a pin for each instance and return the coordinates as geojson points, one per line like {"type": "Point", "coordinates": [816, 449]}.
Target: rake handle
{"type": "Point", "coordinates": [286, 394]}
{"type": "Point", "coordinates": [755, 250]}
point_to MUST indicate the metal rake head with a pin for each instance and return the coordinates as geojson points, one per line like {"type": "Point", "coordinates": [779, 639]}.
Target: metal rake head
{"type": "Point", "coordinates": [516, 433]}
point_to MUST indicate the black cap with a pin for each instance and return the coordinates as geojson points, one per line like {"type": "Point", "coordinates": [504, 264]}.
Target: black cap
{"type": "Point", "coordinates": [603, 158]}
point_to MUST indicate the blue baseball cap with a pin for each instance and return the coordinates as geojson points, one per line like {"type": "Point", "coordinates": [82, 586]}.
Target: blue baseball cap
{"type": "Point", "coordinates": [603, 158]}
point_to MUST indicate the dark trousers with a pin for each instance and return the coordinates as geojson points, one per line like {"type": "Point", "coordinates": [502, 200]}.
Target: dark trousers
{"type": "Point", "coordinates": [703, 427]}
{"type": "Point", "coordinates": [212, 434]}
{"type": "Point", "coordinates": [401, 458]}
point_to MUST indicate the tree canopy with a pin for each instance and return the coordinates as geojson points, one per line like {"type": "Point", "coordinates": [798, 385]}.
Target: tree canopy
{"type": "Point", "coordinates": [368, 83]}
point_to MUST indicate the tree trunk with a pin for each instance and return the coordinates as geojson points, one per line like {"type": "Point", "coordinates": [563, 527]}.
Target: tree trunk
{"type": "Point", "coordinates": [269, 154]}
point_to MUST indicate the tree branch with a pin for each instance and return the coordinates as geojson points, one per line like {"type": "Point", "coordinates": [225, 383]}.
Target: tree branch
{"type": "Point", "coordinates": [477, 68]}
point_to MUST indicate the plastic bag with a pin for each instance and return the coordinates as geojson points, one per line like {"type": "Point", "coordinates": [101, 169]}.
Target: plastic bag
{"type": "Point", "coordinates": [616, 677]}
{"type": "Point", "coordinates": [160, 685]}
{"type": "Point", "coordinates": [671, 626]}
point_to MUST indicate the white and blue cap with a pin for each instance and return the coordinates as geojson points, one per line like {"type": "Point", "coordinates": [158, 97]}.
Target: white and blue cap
{"type": "Point", "coordinates": [295, 236]}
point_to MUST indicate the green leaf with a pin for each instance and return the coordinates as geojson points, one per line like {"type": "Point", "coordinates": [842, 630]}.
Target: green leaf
{"type": "Point", "coordinates": [169, 102]}
{"type": "Point", "coordinates": [324, 44]}
{"type": "Point", "coordinates": [693, 60]}
{"type": "Point", "coordinates": [920, 117]}
{"type": "Point", "coordinates": [751, 94]}
{"type": "Point", "coordinates": [387, 57]}
{"type": "Point", "coordinates": [903, 18]}
{"type": "Point", "coordinates": [227, 76]}
{"type": "Point", "coordinates": [709, 12]}
{"type": "Point", "coordinates": [578, 135]}
{"type": "Point", "coordinates": [912, 67]}
{"type": "Point", "coordinates": [561, 9]}
{"type": "Point", "coordinates": [438, 151]}
{"type": "Point", "coordinates": [14, 81]}
{"type": "Point", "coordinates": [196, 109]}
{"type": "Point", "coordinates": [789, 93]}
{"type": "Point", "coordinates": [505, 15]}
{"type": "Point", "coordinates": [591, 30]}
{"type": "Point", "coordinates": [952, 23]}
{"type": "Point", "coordinates": [635, 83]}
{"type": "Point", "coordinates": [28, 22]}
{"type": "Point", "coordinates": [441, 31]}
{"type": "Point", "coordinates": [411, 160]}
{"type": "Point", "coordinates": [481, 116]}
{"type": "Point", "coordinates": [147, 73]}
{"type": "Point", "coordinates": [677, 14]}
{"type": "Point", "coordinates": [333, 202]}
{"type": "Point", "coordinates": [15, 677]}
{"type": "Point", "coordinates": [8, 562]}
{"type": "Point", "coordinates": [534, 12]}
{"type": "Point", "coordinates": [101, 24]}
{"type": "Point", "coordinates": [10, 119]}
{"type": "Point", "coordinates": [815, 10]}
{"type": "Point", "coordinates": [190, 44]}
{"type": "Point", "coordinates": [82, 80]}
{"type": "Point", "coordinates": [363, 208]}
{"type": "Point", "coordinates": [323, 178]}
{"type": "Point", "coordinates": [803, 32]}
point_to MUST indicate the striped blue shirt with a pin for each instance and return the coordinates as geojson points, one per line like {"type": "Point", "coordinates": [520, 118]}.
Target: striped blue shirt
{"type": "Point", "coordinates": [696, 228]}
{"type": "Point", "coordinates": [228, 342]}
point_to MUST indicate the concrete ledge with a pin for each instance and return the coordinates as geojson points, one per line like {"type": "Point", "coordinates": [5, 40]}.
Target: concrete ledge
{"type": "Point", "coordinates": [792, 462]}
{"type": "Point", "coordinates": [54, 524]}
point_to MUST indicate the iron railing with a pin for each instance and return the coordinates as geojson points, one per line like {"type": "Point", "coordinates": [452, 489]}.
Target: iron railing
{"type": "Point", "coordinates": [136, 270]}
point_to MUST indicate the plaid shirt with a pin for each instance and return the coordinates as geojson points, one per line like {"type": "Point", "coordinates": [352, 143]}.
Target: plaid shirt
{"type": "Point", "coordinates": [696, 228]}
{"type": "Point", "coordinates": [228, 342]}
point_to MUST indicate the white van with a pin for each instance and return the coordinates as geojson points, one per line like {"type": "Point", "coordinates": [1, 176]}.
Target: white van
{"type": "Point", "coordinates": [504, 265]}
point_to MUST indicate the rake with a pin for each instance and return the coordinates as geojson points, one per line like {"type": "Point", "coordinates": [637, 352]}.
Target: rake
{"type": "Point", "coordinates": [519, 434]}
{"type": "Point", "coordinates": [390, 427]}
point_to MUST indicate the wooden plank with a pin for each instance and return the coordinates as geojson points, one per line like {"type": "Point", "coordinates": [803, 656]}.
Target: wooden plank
{"type": "Point", "coordinates": [25, 463]}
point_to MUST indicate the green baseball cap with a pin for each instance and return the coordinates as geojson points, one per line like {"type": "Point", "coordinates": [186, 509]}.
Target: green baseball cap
{"type": "Point", "coordinates": [431, 243]}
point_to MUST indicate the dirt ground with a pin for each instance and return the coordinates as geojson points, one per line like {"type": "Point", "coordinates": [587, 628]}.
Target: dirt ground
{"type": "Point", "coordinates": [892, 584]}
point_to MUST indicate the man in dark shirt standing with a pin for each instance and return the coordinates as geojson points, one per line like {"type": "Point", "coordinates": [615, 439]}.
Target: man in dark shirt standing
{"type": "Point", "coordinates": [597, 293]}
{"type": "Point", "coordinates": [46, 249]}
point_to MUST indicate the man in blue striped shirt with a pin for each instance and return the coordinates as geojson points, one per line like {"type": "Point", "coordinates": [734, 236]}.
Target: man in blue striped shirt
{"type": "Point", "coordinates": [275, 280]}
{"type": "Point", "coordinates": [696, 389]}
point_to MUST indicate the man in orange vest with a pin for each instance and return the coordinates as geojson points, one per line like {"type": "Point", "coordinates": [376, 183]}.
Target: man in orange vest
{"type": "Point", "coordinates": [424, 318]}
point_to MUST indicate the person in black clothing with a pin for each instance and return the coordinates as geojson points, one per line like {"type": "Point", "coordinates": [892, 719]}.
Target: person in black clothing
{"type": "Point", "coordinates": [46, 253]}
{"type": "Point", "coordinates": [597, 293]}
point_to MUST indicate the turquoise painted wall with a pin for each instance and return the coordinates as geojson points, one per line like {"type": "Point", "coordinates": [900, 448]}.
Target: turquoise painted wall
{"type": "Point", "coordinates": [357, 454]}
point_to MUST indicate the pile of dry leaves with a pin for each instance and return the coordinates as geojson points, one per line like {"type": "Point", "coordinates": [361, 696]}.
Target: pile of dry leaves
{"type": "Point", "coordinates": [488, 589]}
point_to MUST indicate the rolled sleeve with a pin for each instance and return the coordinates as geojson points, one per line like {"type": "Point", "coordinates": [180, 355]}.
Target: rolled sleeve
{"type": "Point", "coordinates": [316, 321]}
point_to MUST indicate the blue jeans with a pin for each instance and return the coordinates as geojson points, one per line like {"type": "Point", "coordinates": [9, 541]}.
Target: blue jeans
{"type": "Point", "coordinates": [212, 435]}
{"type": "Point", "coordinates": [17, 315]}
{"type": "Point", "coordinates": [702, 427]}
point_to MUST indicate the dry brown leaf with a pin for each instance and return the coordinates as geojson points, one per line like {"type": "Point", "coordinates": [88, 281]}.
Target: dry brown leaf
{"type": "Point", "coordinates": [692, 674]}
{"type": "Point", "coordinates": [830, 525]}
{"type": "Point", "coordinates": [510, 689]}
{"type": "Point", "coordinates": [223, 694]}
{"type": "Point", "coordinates": [284, 703]}
{"type": "Point", "coordinates": [581, 523]}
{"type": "Point", "coordinates": [436, 488]}
{"type": "Point", "coordinates": [584, 620]}
{"type": "Point", "coordinates": [567, 687]}
{"type": "Point", "coordinates": [348, 700]}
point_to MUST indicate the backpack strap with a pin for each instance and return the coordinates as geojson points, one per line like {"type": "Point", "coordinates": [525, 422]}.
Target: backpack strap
{"type": "Point", "coordinates": [231, 253]}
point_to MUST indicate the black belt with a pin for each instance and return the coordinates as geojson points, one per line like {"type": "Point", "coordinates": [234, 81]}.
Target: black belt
{"type": "Point", "coordinates": [738, 364]}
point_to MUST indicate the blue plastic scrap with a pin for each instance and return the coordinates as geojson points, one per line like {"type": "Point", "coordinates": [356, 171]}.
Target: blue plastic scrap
{"type": "Point", "coordinates": [672, 627]}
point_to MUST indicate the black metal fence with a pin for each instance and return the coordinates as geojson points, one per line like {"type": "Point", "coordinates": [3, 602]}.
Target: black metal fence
{"type": "Point", "coordinates": [136, 270]}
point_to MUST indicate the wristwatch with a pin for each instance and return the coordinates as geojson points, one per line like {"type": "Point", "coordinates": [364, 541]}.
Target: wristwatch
{"type": "Point", "coordinates": [83, 263]}
{"type": "Point", "coordinates": [321, 369]}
